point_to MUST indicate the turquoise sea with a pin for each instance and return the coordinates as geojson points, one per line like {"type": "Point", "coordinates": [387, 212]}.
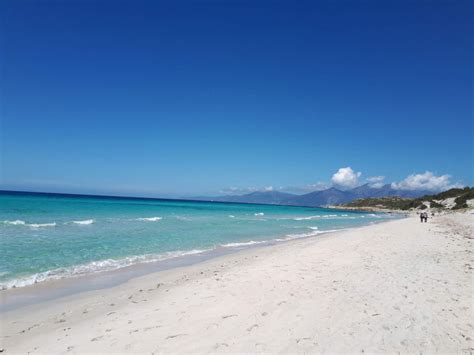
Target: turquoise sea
{"type": "Point", "coordinates": [55, 236]}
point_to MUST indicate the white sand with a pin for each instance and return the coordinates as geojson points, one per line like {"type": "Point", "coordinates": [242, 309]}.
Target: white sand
{"type": "Point", "coordinates": [397, 286]}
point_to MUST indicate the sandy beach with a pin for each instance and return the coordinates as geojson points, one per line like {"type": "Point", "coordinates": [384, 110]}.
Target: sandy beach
{"type": "Point", "coordinates": [399, 286]}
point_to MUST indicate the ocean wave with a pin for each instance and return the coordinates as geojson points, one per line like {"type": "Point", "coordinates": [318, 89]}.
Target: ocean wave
{"type": "Point", "coordinates": [17, 222]}
{"type": "Point", "coordinates": [306, 218]}
{"type": "Point", "coordinates": [259, 214]}
{"type": "Point", "coordinates": [231, 216]}
{"type": "Point", "coordinates": [41, 225]}
{"type": "Point", "coordinates": [115, 264]}
{"type": "Point", "coordinates": [326, 216]}
{"type": "Point", "coordinates": [150, 219]}
{"type": "Point", "coordinates": [95, 267]}
{"type": "Point", "coordinates": [283, 239]}
{"type": "Point", "coordinates": [305, 235]}
{"type": "Point", "coordinates": [85, 222]}
{"type": "Point", "coordinates": [251, 242]}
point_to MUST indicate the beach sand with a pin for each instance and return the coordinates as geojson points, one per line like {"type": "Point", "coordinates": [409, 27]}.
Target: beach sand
{"type": "Point", "coordinates": [395, 286]}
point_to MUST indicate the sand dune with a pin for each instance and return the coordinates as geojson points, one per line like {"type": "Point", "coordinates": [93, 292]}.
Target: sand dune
{"type": "Point", "coordinates": [396, 286]}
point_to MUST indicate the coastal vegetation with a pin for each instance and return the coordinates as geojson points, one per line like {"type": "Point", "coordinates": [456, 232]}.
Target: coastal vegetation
{"type": "Point", "coordinates": [456, 198]}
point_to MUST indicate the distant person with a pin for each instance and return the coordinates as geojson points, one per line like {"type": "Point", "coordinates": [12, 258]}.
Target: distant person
{"type": "Point", "coordinates": [422, 217]}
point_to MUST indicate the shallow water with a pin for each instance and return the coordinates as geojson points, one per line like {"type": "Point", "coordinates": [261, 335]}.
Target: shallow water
{"type": "Point", "coordinates": [45, 237]}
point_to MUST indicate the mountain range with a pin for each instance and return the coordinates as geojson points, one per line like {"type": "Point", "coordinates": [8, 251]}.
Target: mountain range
{"type": "Point", "coordinates": [331, 196]}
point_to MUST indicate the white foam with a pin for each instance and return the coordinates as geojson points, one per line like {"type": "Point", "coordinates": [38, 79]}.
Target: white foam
{"type": "Point", "coordinates": [41, 225]}
{"type": "Point", "coordinates": [251, 242]}
{"type": "Point", "coordinates": [150, 219]}
{"type": "Point", "coordinates": [259, 214]}
{"type": "Point", "coordinates": [284, 239]}
{"type": "Point", "coordinates": [17, 222]}
{"type": "Point", "coordinates": [231, 216]}
{"type": "Point", "coordinates": [85, 222]}
{"type": "Point", "coordinates": [94, 267]}
{"type": "Point", "coordinates": [327, 216]}
{"type": "Point", "coordinates": [306, 218]}
{"type": "Point", "coordinates": [305, 235]}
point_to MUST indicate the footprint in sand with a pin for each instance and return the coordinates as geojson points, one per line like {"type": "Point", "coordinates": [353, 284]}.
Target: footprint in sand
{"type": "Point", "coordinates": [175, 336]}
{"type": "Point", "coordinates": [249, 329]}
{"type": "Point", "coordinates": [229, 316]}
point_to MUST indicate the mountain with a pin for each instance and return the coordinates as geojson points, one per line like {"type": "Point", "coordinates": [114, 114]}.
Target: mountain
{"type": "Point", "coordinates": [267, 197]}
{"type": "Point", "coordinates": [331, 196]}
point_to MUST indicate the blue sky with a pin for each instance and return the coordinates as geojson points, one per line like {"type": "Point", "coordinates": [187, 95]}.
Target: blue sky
{"type": "Point", "coordinates": [176, 98]}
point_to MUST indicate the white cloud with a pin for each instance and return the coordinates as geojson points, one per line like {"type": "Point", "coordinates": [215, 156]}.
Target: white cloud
{"type": "Point", "coordinates": [376, 182]}
{"type": "Point", "coordinates": [426, 181]}
{"type": "Point", "coordinates": [346, 177]}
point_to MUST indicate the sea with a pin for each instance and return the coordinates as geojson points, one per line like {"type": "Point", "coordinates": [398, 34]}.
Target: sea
{"type": "Point", "coordinates": [53, 236]}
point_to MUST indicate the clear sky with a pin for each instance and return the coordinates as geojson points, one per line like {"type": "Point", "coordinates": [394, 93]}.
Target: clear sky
{"type": "Point", "coordinates": [176, 98]}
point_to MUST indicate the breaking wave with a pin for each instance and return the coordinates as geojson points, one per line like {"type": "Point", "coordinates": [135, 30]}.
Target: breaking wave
{"type": "Point", "coordinates": [85, 222]}
{"type": "Point", "coordinates": [94, 267]}
{"type": "Point", "coordinates": [19, 222]}
{"type": "Point", "coordinates": [115, 264]}
{"type": "Point", "coordinates": [150, 219]}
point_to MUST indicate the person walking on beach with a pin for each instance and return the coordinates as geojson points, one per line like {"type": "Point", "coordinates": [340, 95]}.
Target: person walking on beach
{"type": "Point", "coordinates": [423, 217]}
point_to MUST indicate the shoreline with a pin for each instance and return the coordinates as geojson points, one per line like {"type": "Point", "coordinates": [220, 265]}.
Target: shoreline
{"type": "Point", "coordinates": [16, 297]}
{"type": "Point", "coordinates": [53, 289]}
{"type": "Point", "coordinates": [308, 294]}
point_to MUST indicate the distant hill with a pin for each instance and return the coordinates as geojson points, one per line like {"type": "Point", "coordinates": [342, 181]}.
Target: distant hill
{"type": "Point", "coordinates": [267, 197]}
{"type": "Point", "coordinates": [331, 196]}
{"type": "Point", "coordinates": [450, 199]}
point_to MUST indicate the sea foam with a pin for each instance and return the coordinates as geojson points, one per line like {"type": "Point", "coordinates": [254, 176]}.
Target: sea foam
{"type": "Point", "coordinates": [85, 222]}
{"type": "Point", "coordinates": [150, 219]}
{"type": "Point", "coordinates": [251, 242]}
{"type": "Point", "coordinates": [95, 267]}
{"type": "Point", "coordinates": [17, 222]}
{"type": "Point", "coordinates": [41, 225]}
